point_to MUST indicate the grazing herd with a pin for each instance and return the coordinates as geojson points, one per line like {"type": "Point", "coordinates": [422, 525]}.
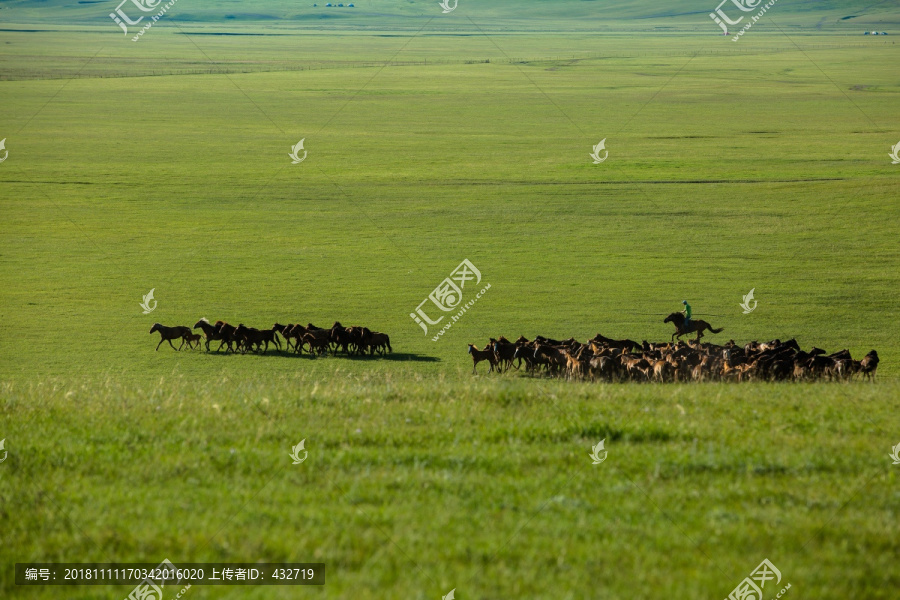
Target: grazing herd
{"type": "Point", "coordinates": [314, 340]}
{"type": "Point", "coordinates": [605, 359]}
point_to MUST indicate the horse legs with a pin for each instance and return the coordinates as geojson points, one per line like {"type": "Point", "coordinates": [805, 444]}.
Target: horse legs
{"type": "Point", "coordinates": [173, 345]}
{"type": "Point", "coordinates": [161, 340]}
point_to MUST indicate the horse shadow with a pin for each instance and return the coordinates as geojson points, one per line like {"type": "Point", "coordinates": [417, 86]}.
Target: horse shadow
{"type": "Point", "coordinates": [391, 357]}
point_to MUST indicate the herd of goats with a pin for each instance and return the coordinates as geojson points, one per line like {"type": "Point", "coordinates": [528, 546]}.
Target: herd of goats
{"type": "Point", "coordinates": [605, 359]}
{"type": "Point", "coordinates": [243, 339]}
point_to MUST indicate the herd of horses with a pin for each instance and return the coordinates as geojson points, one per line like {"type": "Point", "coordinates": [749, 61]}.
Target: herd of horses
{"type": "Point", "coordinates": [599, 358]}
{"type": "Point", "coordinates": [243, 339]}
{"type": "Point", "coordinates": [605, 359]}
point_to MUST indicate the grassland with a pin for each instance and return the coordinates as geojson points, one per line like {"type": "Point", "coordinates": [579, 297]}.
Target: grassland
{"type": "Point", "coordinates": [414, 486]}
{"type": "Point", "coordinates": [163, 164]}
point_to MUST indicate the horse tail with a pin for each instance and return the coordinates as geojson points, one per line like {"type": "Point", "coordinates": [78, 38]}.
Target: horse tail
{"type": "Point", "coordinates": [719, 330]}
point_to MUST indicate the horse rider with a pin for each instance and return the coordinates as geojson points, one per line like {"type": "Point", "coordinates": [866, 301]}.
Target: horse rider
{"type": "Point", "coordinates": [687, 314]}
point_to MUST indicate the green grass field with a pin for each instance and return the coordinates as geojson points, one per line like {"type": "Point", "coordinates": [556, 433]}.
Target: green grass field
{"type": "Point", "coordinates": [432, 138]}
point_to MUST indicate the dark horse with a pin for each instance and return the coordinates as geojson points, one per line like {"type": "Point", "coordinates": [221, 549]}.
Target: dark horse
{"type": "Point", "coordinates": [167, 334]}
{"type": "Point", "coordinates": [698, 325]}
{"type": "Point", "coordinates": [212, 332]}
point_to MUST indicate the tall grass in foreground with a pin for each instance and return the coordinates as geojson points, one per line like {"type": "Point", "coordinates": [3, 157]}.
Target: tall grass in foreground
{"type": "Point", "coordinates": [415, 485]}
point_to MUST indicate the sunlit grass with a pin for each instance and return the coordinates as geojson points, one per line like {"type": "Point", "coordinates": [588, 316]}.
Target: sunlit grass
{"type": "Point", "coordinates": [154, 169]}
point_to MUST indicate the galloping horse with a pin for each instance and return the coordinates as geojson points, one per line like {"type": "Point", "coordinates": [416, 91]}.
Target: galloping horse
{"type": "Point", "coordinates": [212, 333]}
{"type": "Point", "coordinates": [698, 325]}
{"type": "Point", "coordinates": [171, 333]}
{"type": "Point", "coordinates": [227, 336]}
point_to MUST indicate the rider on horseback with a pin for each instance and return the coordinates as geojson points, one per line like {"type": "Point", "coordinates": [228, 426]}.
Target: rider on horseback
{"type": "Point", "coordinates": [685, 324]}
{"type": "Point", "coordinates": [687, 315]}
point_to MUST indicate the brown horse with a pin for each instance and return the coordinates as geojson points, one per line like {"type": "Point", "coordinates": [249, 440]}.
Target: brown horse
{"type": "Point", "coordinates": [167, 334]}
{"type": "Point", "coordinates": [359, 339]}
{"type": "Point", "coordinates": [211, 332]}
{"type": "Point", "coordinates": [285, 331]}
{"type": "Point", "coordinates": [318, 344]}
{"type": "Point", "coordinates": [869, 364]}
{"type": "Point", "coordinates": [193, 338]}
{"type": "Point", "coordinates": [226, 335]}
{"type": "Point", "coordinates": [250, 337]}
{"type": "Point", "coordinates": [379, 342]}
{"type": "Point", "coordinates": [340, 338]}
{"type": "Point", "coordinates": [698, 325]}
{"type": "Point", "coordinates": [505, 351]}
{"type": "Point", "coordinates": [296, 333]}
{"type": "Point", "coordinates": [480, 355]}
